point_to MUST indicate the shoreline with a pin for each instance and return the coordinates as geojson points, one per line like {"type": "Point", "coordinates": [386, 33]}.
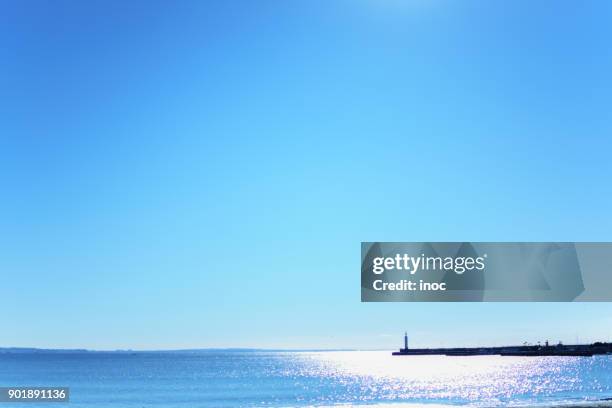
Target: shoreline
{"type": "Point", "coordinates": [606, 403]}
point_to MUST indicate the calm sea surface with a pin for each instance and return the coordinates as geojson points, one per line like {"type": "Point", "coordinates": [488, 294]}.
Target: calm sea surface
{"type": "Point", "coordinates": [290, 379]}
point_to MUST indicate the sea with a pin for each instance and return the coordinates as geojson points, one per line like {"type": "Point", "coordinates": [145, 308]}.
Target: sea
{"type": "Point", "coordinates": [222, 378]}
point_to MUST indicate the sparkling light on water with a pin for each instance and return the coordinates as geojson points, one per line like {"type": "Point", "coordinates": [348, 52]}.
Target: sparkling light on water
{"type": "Point", "coordinates": [478, 380]}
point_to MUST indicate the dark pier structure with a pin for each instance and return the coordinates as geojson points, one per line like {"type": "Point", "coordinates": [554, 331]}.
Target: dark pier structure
{"type": "Point", "coordinates": [579, 350]}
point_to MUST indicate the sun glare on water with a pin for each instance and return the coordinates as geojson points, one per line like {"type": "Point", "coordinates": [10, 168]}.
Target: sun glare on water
{"type": "Point", "coordinates": [488, 380]}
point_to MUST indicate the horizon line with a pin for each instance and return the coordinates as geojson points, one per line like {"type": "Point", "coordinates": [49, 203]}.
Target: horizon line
{"type": "Point", "coordinates": [130, 350]}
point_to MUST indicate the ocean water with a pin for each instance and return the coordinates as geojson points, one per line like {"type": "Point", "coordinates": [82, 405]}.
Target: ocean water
{"type": "Point", "coordinates": [296, 379]}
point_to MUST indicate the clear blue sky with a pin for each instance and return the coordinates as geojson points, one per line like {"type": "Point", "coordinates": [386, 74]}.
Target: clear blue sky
{"type": "Point", "coordinates": [201, 174]}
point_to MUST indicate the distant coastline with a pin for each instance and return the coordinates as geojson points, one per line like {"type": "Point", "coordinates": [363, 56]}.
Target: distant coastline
{"type": "Point", "coordinates": [23, 350]}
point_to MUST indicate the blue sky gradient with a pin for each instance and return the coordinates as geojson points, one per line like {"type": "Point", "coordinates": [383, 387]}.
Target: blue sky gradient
{"type": "Point", "coordinates": [201, 174]}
